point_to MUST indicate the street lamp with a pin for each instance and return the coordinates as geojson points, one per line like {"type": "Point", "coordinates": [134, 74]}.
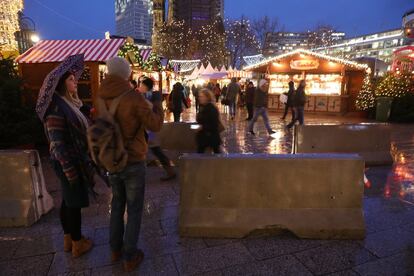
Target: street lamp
{"type": "Point", "coordinates": [34, 38]}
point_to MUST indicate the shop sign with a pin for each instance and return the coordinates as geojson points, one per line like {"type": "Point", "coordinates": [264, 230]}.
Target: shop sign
{"type": "Point", "coordinates": [304, 64]}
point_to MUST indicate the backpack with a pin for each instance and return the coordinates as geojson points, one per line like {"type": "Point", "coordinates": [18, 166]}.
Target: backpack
{"type": "Point", "coordinates": [105, 140]}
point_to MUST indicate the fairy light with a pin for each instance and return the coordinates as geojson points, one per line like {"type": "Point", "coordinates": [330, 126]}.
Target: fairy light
{"type": "Point", "coordinates": [129, 48]}
{"type": "Point", "coordinates": [9, 23]}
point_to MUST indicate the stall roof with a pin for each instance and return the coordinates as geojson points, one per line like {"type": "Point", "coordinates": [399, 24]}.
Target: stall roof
{"type": "Point", "coordinates": [349, 63]}
{"type": "Point", "coordinates": [98, 50]}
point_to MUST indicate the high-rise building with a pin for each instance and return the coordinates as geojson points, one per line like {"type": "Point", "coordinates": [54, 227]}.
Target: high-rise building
{"type": "Point", "coordinates": [377, 45]}
{"type": "Point", "coordinates": [9, 24]}
{"type": "Point", "coordinates": [134, 18]}
{"type": "Point", "coordinates": [197, 13]}
{"type": "Point", "coordinates": [282, 42]}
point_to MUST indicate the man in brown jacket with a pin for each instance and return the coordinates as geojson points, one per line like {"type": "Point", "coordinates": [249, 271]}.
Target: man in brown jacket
{"type": "Point", "coordinates": [134, 115]}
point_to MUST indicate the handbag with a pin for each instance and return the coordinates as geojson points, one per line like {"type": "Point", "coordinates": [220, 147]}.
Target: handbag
{"type": "Point", "coordinates": [283, 98]}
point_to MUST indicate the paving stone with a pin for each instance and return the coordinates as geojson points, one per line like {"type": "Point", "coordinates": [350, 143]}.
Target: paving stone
{"type": "Point", "coordinates": [155, 266]}
{"type": "Point", "coordinates": [64, 262]}
{"type": "Point", "coordinates": [215, 258]}
{"type": "Point", "coordinates": [334, 257]}
{"type": "Point", "coordinates": [348, 272]}
{"type": "Point", "coordinates": [170, 226]}
{"type": "Point", "coordinates": [391, 242]}
{"type": "Point", "coordinates": [36, 265]}
{"type": "Point", "coordinates": [284, 265]}
{"type": "Point", "coordinates": [158, 246]}
{"type": "Point", "coordinates": [269, 247]}
{"type": "Point", "coordinates": [218, 242]}
{"type": "Point", "coordinates": [400, 264]}
{"type": "Point", "coordinates": [39, 246]}
{"type": "Point", "coordinates": [8, 247]}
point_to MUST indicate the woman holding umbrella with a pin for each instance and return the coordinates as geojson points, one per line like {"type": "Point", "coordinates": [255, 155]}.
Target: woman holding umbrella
{"type": "Point", "coordinates": [58, 107]}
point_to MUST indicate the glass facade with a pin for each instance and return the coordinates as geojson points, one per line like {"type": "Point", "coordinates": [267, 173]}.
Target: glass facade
{"type": "Point", "coordinates": [378, 45]}
{"type": "Point", "coordinates": [134, 18]}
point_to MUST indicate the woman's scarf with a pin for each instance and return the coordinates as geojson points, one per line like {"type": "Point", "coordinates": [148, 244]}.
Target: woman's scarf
{"type": "Point", "coordinates": [75, 105]}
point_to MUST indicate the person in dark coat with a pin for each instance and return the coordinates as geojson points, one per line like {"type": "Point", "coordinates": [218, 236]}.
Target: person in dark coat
{"type": "Point", "coordinates": [209, 119]}
{"type": "Point", "coordinates": [65, 127]}
{"type": "Point", "coordinates": [178, 99]}
{"type": "Point", "coordinates": [299, 101]}
{"type": "Point", "coordinates": [195, 90]}
{"type": "Point", "coordinates": [217, 92]}
{"type": "Point", "coordinates": [289, 103]}
{"type": "Point", "coordinates": [260, 106]}
{"type": "Point", "coordinates": [250, 100]}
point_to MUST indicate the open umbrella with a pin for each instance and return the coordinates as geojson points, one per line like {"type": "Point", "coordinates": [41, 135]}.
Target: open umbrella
{"type": "Point", "coordinates": [72, 64]}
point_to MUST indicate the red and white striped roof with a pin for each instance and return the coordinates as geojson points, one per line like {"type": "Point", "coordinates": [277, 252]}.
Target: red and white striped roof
{"type": "Point", "coordinates": [145, 54]}
{"type": "Point", "coordinates": [57, 50]}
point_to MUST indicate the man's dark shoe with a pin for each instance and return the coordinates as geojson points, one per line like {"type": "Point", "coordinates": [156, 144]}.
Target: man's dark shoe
{"type": "Point", "coordinates": [132, 264]}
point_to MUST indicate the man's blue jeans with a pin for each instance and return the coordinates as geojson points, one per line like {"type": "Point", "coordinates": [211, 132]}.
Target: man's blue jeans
{"type": "Point", "coordinates": [232, 109]}
{"type": "Point", "coordinates": [260, 111]}
{"type": "Point", "coordinates": [128, 189]}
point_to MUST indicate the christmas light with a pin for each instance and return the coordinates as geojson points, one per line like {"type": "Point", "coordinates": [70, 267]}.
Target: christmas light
{"type": "Point", "coordinates": [9, 23]}
{"type": "Point", "coordinates": [128, 50]}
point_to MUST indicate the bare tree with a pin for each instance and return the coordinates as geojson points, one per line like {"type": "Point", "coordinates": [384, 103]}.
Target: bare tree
{"type": "Point", "coordinates": [262, 26]}
{"type": "Point", "coordinates": [240, 40]}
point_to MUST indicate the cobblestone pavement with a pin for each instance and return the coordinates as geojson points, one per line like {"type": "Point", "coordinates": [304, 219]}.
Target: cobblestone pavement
{"type": "Point", "coordinates": [388, 248]}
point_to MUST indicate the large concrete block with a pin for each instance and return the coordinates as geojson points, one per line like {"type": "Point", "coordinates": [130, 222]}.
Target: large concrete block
{"type": "Point", "coordinates": [371, 141]}
{"type": "Point", "coordinates": [23, 195]}
{"type": "Point", "coordinates": [180, 137]}
{"type": "Point", "coordinates": [313, 196]}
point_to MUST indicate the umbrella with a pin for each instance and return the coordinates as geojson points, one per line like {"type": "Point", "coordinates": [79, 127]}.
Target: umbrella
{"type": "Point", "coordinates": [73, 64]}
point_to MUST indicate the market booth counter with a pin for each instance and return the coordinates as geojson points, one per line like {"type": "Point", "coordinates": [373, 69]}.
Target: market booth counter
{"type": "Point", "coordinates": [332, 84]}
{"type": "Point", "coordinates": [38, 61]}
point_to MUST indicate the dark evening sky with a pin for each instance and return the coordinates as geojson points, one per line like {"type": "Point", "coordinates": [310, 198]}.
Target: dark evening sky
{"type": "Point", "coordinates": [79, 19]}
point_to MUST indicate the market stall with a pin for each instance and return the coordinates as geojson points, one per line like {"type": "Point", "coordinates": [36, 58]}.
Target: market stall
{"type": "Point", "coordinates": [38, 61]}
{"type": "Point", "coordinates": [332, 84]}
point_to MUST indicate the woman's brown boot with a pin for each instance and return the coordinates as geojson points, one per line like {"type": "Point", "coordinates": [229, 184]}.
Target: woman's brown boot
{"type": "Point", "coordinates": [80, 247]}
{"type": "Point", "coordinates": [67, 243]}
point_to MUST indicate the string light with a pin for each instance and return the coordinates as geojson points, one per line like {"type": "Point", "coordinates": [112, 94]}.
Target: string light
{"type": "Point", "coordinates": [366, 99]}
{"type": "Point", "coordinates": [129, 48]}
{"type": "Point", "coordinates": [9, 23]}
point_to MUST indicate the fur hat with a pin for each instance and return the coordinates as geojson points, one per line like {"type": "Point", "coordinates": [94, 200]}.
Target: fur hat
{"type": "Point", "coordinates": [119, 67]}
{"type": "Point", "coordinates": [262, 82]}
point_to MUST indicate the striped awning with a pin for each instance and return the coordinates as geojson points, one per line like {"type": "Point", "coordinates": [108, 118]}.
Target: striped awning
{"type": "Point", "coordinates": [98, 50]}
{"type": "Point", "coordinates": [145, 54]}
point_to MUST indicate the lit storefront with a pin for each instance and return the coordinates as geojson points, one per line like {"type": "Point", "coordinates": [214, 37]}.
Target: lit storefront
{"type": "Point", "coordinates": [332, 84]}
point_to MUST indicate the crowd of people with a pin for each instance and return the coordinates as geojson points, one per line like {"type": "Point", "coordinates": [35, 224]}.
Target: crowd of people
{"type": "Point", "coordinates": [116, 136]}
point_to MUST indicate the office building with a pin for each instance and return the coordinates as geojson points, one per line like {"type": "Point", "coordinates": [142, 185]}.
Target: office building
{"type": "Point", "coordinates": [282, 42]}
{"type": "Point", "coordinates": [197, 13]}
{"type": "Point", "coordinates": [134, 18]}
{"type": "Point", "coordinates": [377, 45]}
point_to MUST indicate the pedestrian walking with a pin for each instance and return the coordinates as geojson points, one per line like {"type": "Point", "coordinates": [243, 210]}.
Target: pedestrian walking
{"type": "Point", "coordinates": [195, 90]}
{"type": "Point", "coordinates": [233, 90]}
{"type": "Point", "coordinates": [250, 100]}
{"type": "Point", "coordinates": [217, 92]}
{"type": "Point", "coordinates": [177, 100]}
{"type": "Point", "coordinates": [155, 97]}
{"type": "Point", "coordinates": [58, 107]}
{"type": "Point", "coordinates": [260, 106]}
{"type": "Point", "coordinates": [209, 119]}
{"type": "Point", "coordinates": [299, 101]}
{"type": "Point", "coordinates": [289, 102]}
{"type": "Point", "coordinates": [134, 115]}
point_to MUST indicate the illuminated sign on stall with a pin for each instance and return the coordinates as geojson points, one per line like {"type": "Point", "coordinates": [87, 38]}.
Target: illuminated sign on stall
{"type": "Point", "coordinates": [304, 64]}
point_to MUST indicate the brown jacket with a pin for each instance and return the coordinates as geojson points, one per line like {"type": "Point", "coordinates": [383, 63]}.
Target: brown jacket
{"type": "Point", "coordinates": [134, 115]}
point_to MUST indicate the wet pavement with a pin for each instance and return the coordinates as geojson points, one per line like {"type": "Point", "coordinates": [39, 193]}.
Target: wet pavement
{"type": "Point", "coordinates": [388, 248]}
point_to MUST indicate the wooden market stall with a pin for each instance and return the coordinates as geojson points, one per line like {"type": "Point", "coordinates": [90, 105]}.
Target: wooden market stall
{"type": "Point", "coordinates": [332, 84]}
{"type": "Point", "coordinates": [38, 61]}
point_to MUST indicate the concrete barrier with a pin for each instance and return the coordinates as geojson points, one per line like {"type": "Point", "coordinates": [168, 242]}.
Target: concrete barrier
{"type": "Point", "coordinates": [23, 195]}
{"type": "Point", "coordinates": [314, 196]}
{"type": "Point", "coordinates": [371, 141]}
{"type": "Point", "coordinates": [179, 137]}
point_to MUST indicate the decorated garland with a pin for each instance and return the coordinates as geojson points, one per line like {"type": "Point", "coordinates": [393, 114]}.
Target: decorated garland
{"type": "Point", "coordinates": [130, 52]}
{"type": "Point", "coordinates": [153, 63]}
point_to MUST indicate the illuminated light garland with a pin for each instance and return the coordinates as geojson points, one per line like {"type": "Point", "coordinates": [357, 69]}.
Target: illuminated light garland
{"type": "Point", "coordinates": [153, 63]}
{"type": "Point", "coordinates": [128, 48]}
{"type": "Point", "coordinates": [366, 99]}
{"type": "Point", "coordinates": [9, 24]}
{"type": "Point", "coordinates": [185, 65]}
{"type": "Point", "coordinates": [310, 53]}
{"type": "Point", "coordinates": [395, 86]}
